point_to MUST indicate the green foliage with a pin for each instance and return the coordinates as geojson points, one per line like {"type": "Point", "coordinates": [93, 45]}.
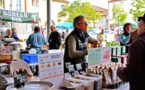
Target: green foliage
{"type": "Point", "coordinates": [113, 43]}
{"type": "Point", "coordinates": [138, 8]}
{"type": "Point", "coordinates": [77, 8]}
{"type": "Point", "coordinates": [119, 15]}
{"type": "Point", "coordinates": [90, 27]}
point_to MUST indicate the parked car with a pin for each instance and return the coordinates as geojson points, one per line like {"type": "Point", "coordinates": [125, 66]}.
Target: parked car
{"type": "Point", "coordinates": [111, 35]}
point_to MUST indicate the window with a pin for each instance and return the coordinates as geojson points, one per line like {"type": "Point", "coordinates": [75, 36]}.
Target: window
{"type": "Point", "coordinates": [62, 7]}
{"type": "Point", "coordinates": [18, 5]}
{"type": "Point", "coordinates": [2, 3]}
{"type": "Point", "coordinates": [10, 4]}
{"type": "Point", "coordinates": [35, 3]}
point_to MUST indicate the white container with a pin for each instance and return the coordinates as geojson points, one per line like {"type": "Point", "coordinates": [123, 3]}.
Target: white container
{"type": "Point", "coordinates": [34, 85]}
{"type": "Point", "coordinates": [32, 51]}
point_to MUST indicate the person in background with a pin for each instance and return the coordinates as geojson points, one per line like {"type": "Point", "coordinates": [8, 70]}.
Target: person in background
{"type": "Point", "coordinates": [76, 43]}
{"type": "Point", "coordinates": [10, 35]}
{"type": "Point", "coordinates": [62, 36]}
{"type": "Point", "coordinates": [102, 38]}
{"type": "Point", "coordinates": [125, 37]}
{"type": "Point", "coordinates": [134, 35]}
{"type": "Point", "coordinates": [66, 34]}
{"type": "Point", "coordinates": [54, 39]}
{"type": "Point", "coordinates": [14, 34]}
{"type": "Point", "coordinates": [36, 40]}
{"type": "Point", "coordinates": [134, 71]}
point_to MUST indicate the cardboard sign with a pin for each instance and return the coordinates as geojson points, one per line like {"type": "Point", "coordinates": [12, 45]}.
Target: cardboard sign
{"type": "Point", "coordinates": [94, 56]}
{"type": "Point", "coordinates": [99, 55]}
{"type": "Point", "coordinates": [51, 67]}
{"type": "Point", "coordinates": [105, 54]}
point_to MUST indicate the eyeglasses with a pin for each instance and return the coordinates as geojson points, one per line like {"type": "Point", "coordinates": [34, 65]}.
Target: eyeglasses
{"type": "Point", "coordinates": [84, 23]}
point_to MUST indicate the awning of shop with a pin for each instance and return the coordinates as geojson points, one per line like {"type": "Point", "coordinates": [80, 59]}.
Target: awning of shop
{"type": "Point", "coordinates": [16, 16]}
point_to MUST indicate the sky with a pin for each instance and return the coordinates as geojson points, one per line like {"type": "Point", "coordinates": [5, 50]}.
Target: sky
{"type": "Point", "coordinates": [104, 4]}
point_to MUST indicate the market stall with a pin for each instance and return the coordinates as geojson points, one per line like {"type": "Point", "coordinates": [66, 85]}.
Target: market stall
{"type": "Point", "coordinates": [17, 17]}
{"type": "Point", "coordinates": [102, 70]}
{"type": "Point", "coordinates": [97, 76]}
{"type": "Point", "coordinates": [50, 72]}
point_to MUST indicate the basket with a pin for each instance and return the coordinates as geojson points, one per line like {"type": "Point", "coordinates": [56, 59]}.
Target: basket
{"type": "Point", "coordinates": [30, 58]}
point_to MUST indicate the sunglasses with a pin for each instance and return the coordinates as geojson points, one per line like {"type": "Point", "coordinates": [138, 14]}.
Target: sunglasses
{"type": "Point", "coordinates": [84, 23]}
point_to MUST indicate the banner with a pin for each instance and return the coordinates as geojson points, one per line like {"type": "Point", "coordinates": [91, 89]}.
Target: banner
{"type": "Point", "coordinates": [16, 16]}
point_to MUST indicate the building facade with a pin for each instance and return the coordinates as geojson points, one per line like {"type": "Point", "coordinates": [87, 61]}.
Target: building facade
{"type": "Point", "coordinates": [33, 6]}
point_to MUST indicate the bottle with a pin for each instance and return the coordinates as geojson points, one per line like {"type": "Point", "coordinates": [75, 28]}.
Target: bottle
{"type": "Point", "coordinates": [32, 51]}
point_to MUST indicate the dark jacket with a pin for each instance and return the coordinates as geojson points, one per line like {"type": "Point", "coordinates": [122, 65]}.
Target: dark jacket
{"type": "Point", "coordinates": [54, 40]}
{"type": "Point", "coordinates": [81, 44]}
{"type": "Point", "coordinates": [134, 72]}
{"type": "Point", "coordinates": [13, 36]}
{"type": "Point", "coordinates": [15, 46]}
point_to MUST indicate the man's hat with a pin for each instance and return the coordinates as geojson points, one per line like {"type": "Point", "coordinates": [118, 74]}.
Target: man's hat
{"type": "Point", "coordinates": [142, 18]}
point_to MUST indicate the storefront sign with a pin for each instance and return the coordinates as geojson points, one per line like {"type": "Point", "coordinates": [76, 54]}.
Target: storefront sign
{"type": "Point", "coordinates": [16, 16]}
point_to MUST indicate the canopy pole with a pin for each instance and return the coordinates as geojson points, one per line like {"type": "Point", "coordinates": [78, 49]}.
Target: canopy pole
{"type": "Point", "coordinates": [48, 10]}
{"type": "Point", "coordinates": [11, 10]}
{"type": "Point", "coordinates": [38, 19]}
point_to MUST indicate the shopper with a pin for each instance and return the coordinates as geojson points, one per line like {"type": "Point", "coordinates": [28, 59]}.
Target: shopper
{"type": "Point", "coordinates": [14, 34]}
{"type": "Point", "coordinates": [125, 37]}
{"type": "Point", "coordinates": [36, 40]}
{"type": "Point", "coordinates": [76, 43]}
{"type": "Point", "coordinates": [54, 39]}
{"type": "Point", "coordinates": [62, 36]}
{"type": "Point", "coordinates": [66, 34]}
{"type": "Point", "coordinates": [134, 72]}
{"type": "Point", "coordinates": [102, 38]}
{"type": "Point", "coordinates": [10, 35]}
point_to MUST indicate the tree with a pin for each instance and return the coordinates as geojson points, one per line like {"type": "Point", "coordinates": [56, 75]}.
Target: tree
{"type": "Point", "coordinates": [77, 8]}
{"type": "Point", "coordinates": [119, 15]}
{"type": "Point", "coordinates": [138, 8]}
